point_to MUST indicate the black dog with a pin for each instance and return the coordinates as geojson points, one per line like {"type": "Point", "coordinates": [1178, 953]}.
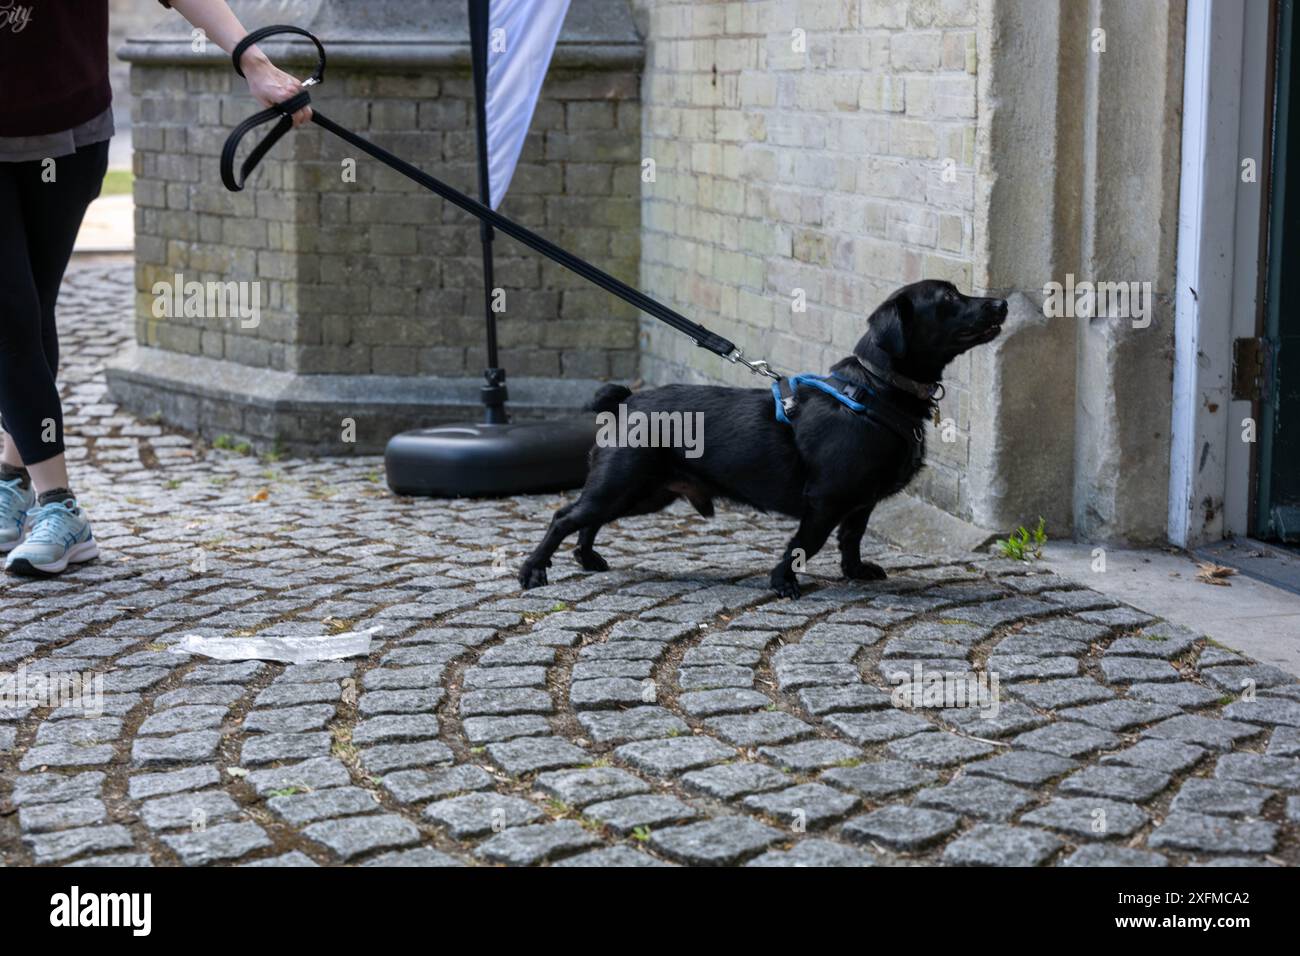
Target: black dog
{"type": "Point", "coordinates": [828, 467]}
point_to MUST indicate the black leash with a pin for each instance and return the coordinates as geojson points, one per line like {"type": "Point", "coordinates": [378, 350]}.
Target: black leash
{"type": "Point", "coordinates": [283, 113]}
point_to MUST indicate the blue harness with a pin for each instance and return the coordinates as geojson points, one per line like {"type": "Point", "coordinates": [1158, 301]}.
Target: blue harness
{"type": "Point", "coordinates": [846, 394]}
{"type": "Point", "coordinates": [861, 400]}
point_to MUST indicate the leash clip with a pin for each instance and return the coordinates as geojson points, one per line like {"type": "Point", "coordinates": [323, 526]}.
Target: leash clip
{"type": "Point", "coordinates": [758, 366]}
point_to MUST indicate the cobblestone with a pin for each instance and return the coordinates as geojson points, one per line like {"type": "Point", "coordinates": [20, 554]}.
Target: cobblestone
{"type": "Point", "coordinates": [1088, 818]}
{"type": "Point", "coordinates": [529, 845]}
{"type": "Point", "coordinates": [642, 810]}
{"type": "Point", "coordinates": [805, 806]}
{"type": "Point", "coordinates": [881, 778]}
{"type": "Point", "coordinates": [980, 797]}
{"type": "Point", "coordinates": [1116, 782]}
{"type": "Point", "coordinates": [194, 810]}
{"type": "Point", "coordinates": [718, 842]}
{"type": "Point", "coordinates": [1219, 797]}
{"type": "Point", "coordinates": [902, 828]}
{"type": "Point", "coordinates": [227, 841]}
{"type": "Point", "coordinates": [997, 845]}
{"type": "Point", "coordinates": [813, 852]}
{"type": "Point", "coordinates": [1211, 834]}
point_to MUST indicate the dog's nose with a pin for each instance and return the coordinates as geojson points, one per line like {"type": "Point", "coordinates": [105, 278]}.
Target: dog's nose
{"type": "Point", "coordinates": [1000, 307]}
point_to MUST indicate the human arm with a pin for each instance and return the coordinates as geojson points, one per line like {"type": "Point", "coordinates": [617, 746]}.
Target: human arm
{"type": "Point", "coordinates": [267, 83]}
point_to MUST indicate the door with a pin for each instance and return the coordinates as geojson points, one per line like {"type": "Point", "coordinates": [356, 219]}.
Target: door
{"type": "Point", "coordinates": [1275, 357]}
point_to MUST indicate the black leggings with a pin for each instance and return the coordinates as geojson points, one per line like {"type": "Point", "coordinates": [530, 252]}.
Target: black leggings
{"type": "Point", "coordinates": [38, 226]}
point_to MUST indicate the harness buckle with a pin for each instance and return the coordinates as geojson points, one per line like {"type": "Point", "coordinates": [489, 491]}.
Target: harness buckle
{"type": "Point", "coordinates": [310, 81]}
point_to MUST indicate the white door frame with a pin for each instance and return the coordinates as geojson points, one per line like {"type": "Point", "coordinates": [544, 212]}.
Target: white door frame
{"type": "Point", "coordinates": [1219, 251]}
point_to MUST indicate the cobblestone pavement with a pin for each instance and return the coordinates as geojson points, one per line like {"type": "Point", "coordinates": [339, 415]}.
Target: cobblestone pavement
{"type": "Point", "coordinates": [670, 711]}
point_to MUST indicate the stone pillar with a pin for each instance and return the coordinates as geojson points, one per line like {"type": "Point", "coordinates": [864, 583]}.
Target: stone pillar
{"type": "Point", "coordinates": [1029, 159]}
{"type": "Point", "coordinates": [370, 289]}
{"type": "Point", "coordinates": [1078, 175]}
{"type": "Point", "coordinates": [1122, 437]}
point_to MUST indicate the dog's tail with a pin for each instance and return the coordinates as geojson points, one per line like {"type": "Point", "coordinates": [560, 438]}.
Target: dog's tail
{"type": "Point", "coordinates": [608, 398]}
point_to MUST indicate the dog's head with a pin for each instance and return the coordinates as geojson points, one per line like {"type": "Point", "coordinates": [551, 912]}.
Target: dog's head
{"type": "Point", "coordinates": [925, 325]}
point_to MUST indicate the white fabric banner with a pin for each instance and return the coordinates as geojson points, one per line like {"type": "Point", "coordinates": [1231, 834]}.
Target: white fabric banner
{"type": "Point", "coordinates": [521, 39]}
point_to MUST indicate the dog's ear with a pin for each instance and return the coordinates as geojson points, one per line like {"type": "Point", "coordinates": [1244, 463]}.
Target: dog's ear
{"type": "Point", "coordinates": [889, 321]}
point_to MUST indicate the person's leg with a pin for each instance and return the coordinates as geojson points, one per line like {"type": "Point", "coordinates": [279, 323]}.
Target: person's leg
{"type": "Point", "coordinates": [51, 475]}
{"type": "Point", "coordinates": [20, 351]}
{"type": "Point", "coordinates": [53, 213]}
{"type": "Point", "coordinates": [9, 451]}
{"type": "Point", "coordinates": [50, 213]}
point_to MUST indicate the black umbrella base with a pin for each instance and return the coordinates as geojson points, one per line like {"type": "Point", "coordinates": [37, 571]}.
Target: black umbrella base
{"type": "Point", "coordinates": [490, 461]}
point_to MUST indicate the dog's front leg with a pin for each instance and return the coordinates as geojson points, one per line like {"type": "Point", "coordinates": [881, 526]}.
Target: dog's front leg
{"type": "Point", "coordinates": [814, 528]}
{"type": "Point", "coordinates": [850, 537]}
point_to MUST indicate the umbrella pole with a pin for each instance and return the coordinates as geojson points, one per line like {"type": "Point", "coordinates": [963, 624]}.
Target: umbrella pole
{"type": "Point", "coordinates": [494, 392]}
{"type": "Point", "coordinates": [495, 457]}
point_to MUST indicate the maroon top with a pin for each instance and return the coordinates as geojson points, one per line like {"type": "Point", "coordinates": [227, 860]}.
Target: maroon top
{"type": "Point", "coordinates": [53, 65]}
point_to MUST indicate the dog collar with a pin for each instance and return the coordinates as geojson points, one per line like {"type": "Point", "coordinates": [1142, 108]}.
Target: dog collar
{"type": "Point", "coordinates": [926, 391]}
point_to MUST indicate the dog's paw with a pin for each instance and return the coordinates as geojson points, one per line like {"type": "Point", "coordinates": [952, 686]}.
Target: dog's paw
{"type": "Point", "coordinates": [864, 571]}
{"type": "Point", "coordinates": [785, 584]}
{"type": "Point", "coordinates": [590, 561]}
{"type": "Point", "coordinates": [531, 577]}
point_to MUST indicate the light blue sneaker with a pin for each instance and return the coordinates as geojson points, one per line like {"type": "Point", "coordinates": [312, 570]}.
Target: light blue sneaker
{"type": "Point", "coordinates": [60, 536]}
{"type": "Point", "coordinates": [15, 502]}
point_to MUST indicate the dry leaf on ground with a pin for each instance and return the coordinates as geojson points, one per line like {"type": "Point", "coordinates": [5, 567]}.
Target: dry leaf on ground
{"type": "Point", "coordinates": [1211, 573]}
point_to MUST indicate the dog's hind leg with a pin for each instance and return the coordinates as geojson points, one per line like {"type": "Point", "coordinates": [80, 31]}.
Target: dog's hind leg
{"type": "Point", "coordinates": [656, 500]}
{"type": "Point", "coordinates": [850, 538]}
{"type": "Point", "coordinates": [814, 528]}
{"type": "Point", "coordinates": [587, 557]}
{"type": "Point", "coordinates": [590, 511]}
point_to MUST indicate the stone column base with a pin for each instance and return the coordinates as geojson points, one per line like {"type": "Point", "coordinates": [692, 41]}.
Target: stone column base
{"type": "Point", "coordinates": [314, 414]}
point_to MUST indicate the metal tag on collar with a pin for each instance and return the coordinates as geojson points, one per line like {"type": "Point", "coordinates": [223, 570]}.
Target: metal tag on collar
{"type": "Point", "coordinates": [937, 393]}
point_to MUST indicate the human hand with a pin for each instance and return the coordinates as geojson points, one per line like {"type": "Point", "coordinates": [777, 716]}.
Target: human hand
{"type": "Point", "coordinates": [270, 85]}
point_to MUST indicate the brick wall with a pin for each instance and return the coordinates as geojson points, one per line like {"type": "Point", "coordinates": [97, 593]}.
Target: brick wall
{"type": "Point", "coordinates": [844, 170]}
{"type": "Point", "coordinates": [379, 276]}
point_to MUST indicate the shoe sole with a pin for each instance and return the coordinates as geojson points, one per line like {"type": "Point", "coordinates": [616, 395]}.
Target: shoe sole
{"type": "Point", "coordinates": [77, 554]}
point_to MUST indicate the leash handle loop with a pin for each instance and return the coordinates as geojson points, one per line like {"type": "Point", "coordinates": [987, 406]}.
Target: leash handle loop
{"type": "Point", "coordinates": [260, 34]}
{"type": "Point", "coordinates": [281, 111]}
